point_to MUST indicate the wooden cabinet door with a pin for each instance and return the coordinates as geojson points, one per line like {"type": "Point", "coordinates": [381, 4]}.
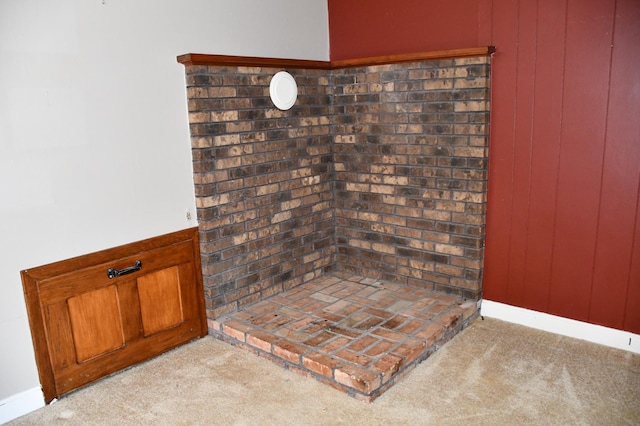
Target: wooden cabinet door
{"type": "Point", "coordinates": [87, 321]}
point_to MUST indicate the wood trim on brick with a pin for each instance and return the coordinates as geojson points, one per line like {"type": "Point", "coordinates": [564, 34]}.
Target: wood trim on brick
{"type": "Point", "coordinates": [414, 57]}
{"type": "Point", "coordinates": [252, 61]}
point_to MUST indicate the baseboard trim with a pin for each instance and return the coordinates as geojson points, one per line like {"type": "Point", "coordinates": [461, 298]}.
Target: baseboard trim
{"type": "Point", "coordinates": [564, 326]}
{"type": "Point", "coordinates": [20, 404]}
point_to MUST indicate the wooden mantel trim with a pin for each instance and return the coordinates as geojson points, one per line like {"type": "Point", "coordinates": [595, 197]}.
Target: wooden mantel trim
{"type": "Point", "coordinates": [251, 61]}
{"type": "Point", "coordinates": [414, 57]}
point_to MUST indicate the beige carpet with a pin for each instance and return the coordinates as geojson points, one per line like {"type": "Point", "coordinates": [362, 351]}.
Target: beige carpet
{"type": "Point", "coordinates": [493, 373]}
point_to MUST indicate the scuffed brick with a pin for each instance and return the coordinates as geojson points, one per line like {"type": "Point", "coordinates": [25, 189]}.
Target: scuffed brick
{"type": "Point", "coordinates": [260, 340]}
{"type": "Point", "coordinates": [388, 365]}
{"type": "Point", "coordinates": [320, 364]}
{"type": "Point", "coordinates": [288, 351]}
{"type": "Point", "coordinates": [357, 378]}
{"type": "Point", "coordinates": [432, 333]}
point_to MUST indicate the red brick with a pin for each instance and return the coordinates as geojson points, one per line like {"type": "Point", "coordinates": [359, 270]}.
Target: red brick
{"type": "Point", "coordinates": [301, 323]}
{"type": "Point", "coordinates": [385, 303]}
{"type": "Point", "coordinates": [410, 327]}
{"type": "Point", "coordinates": [264, 318]}
{"type": "Point", "coordinates": [354, 357]}
{"type": "Point", "coordinates": [363, 343]}
{"type": "Point", "coordinates": [337, 306]}
{"type": "Point", "coordinates": [345, 331]}
{"type": "Point", "coordinates": [431, 333]}
{"type": "Point", "coordinates": [260, 340]}
{"type": "Point", "coordinates": [278, 322]}
{"type": "Point", "coordinates": [319, 339]}
{"type": "Point", "coordinates": [320, 364]}
{"type": "Point", "coordinates": [449, 320]}
{"type": "Point", "coordinates": [323, 297]}
{"type": "Point", "coordinates": [421, 315]}
{"type": "Point", "coordinates": [235, 329]}
{"type": "Point", "coordinates": [411, 350]}
{"type": "Point", "coordinates": [330, 316]}
{"type": "Point", "coordinates": [388, 334]}
{"type": "Point", "coordinates": [346, 291]}
{"type": "Point", "coordinates": [335, 344]}
{"type": "Point", "coordinates": [368, 324]}
{"type": "Point", "coordinates": [381, 348]}
{"type": "Point", "coordinates": [261, 308]}
{"type": "Point", "coordinates": [388, 365]}
{"type": "Point", "coordinates": [438, 307]}
{"type": "Point", "coordinates": [214, 324]}
{"type": "Point", "coordinates": [379, 313]}
{"type": "Point", "coordinates": [423, 303]}
{"type": "Point", "coordinates": [292, 335]}
{"type": "Point", "coordinates": [468, 309]}
{"type": "Point", "coordinates": [353, 307]}
{"type": "Point", "coordinates": [355, 318]}
{"type": "Point", "coordinates": [288, 351]}
{"type": "Point", "coordinates": [292, 313]}
{"type": "Point", "coordinates": [357, 378]}
{"type": "Point", "coordinates": [316, 326]}
{"type": "Point", "coordinates": [394, 322]}
{"type": "Point", "coordinates": [313, 307]}
{"type": "Point", "coordinates": [304, 301]}
{"type": "Point", "coordinates": [445, 298]}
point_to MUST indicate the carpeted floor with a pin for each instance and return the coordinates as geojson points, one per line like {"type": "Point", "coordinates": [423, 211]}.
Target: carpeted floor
{"type": "Point", "coordinates": [492, 373]}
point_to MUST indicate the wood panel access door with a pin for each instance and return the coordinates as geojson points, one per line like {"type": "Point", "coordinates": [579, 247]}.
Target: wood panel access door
{"type": "Point", "coordinates": [96, 314]}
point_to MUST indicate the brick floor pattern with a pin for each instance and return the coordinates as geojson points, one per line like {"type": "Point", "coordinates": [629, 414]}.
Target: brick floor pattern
{"type": "Point", "coordinates": [359, 335]}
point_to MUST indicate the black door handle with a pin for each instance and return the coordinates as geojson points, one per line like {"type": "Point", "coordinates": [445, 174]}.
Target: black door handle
{"type": "Point", "coordinates": [112, 273]}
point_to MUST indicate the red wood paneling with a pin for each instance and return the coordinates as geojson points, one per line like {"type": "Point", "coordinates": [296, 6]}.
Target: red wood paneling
{"type": "Point", "coordinates": [545, 152]}
{"type": "Point", "coordinates": [362, 28]}
{"type": "Point", "coordinates": [503, 117]}
{"type": "Point", "coordinates": [563, 224]}
{"type": "Point", "coordinates": [584, 108]}
{"type": "Point", "coordinates": [621, 171]}
{"type": "Point", "coordinates": [632, 313]}
{"type": "Point", "coordinates": [524, 98]}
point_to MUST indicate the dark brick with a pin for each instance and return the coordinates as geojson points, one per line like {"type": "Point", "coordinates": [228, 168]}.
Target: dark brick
{"type": "Point", "coordinates": [295, 176]}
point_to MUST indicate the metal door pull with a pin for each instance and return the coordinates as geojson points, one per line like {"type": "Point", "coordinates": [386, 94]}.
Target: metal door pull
{"type": "Point", "coordinates": [112, 273]}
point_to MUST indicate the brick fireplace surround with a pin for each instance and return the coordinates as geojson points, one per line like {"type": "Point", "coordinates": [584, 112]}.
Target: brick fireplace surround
{"type": "Point", "coordinates": [343, 238]}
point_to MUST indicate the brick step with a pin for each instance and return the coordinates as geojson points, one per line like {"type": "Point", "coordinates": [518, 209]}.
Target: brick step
{"type": "Point", "coordinates": [356, 334]}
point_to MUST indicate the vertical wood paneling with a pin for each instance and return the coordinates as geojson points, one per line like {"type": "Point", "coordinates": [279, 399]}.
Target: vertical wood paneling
{"type": "Point", "coordinates": [485, 22]}
{"type": "Point", "coordinates": [545, 151]}
{"type": "Point", "coordinates": [500, 186]}
{"type": "Point", "coordinates": [524, 97]}
{"type": "Point", "coordinates": [585, 92]}
{"type": "Point", "coordinates": [619, 197]}
{"type": "Point", "coordinates": [632, 313]}
{"type": "Point", "coordinates": [361, 28]}
{"type": "Point", "coordinates": [563, 219]}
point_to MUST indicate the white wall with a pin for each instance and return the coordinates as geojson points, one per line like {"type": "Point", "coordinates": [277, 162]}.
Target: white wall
{"type": "Point", "coordinates": [94, 137]}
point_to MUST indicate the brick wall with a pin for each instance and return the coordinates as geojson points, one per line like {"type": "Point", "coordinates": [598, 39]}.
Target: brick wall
{"type": "Point", "coordinates": [263, 182]}
{"type": "Point", "coordinates": [410, 154]}
{"type": "Point", "coordinates": [380, 171]}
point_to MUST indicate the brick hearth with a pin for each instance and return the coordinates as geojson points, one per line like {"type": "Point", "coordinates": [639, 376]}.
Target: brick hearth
{"type": "Point", "coordinates": [356, 334]}
{"type": "Point", "coordinates": [343, 238]}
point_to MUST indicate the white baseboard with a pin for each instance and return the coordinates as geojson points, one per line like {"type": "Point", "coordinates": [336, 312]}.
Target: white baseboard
{"type": "Point", "coordinates": [567, 327]}
{"type": "Point", "coordinates": [20, 404]}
